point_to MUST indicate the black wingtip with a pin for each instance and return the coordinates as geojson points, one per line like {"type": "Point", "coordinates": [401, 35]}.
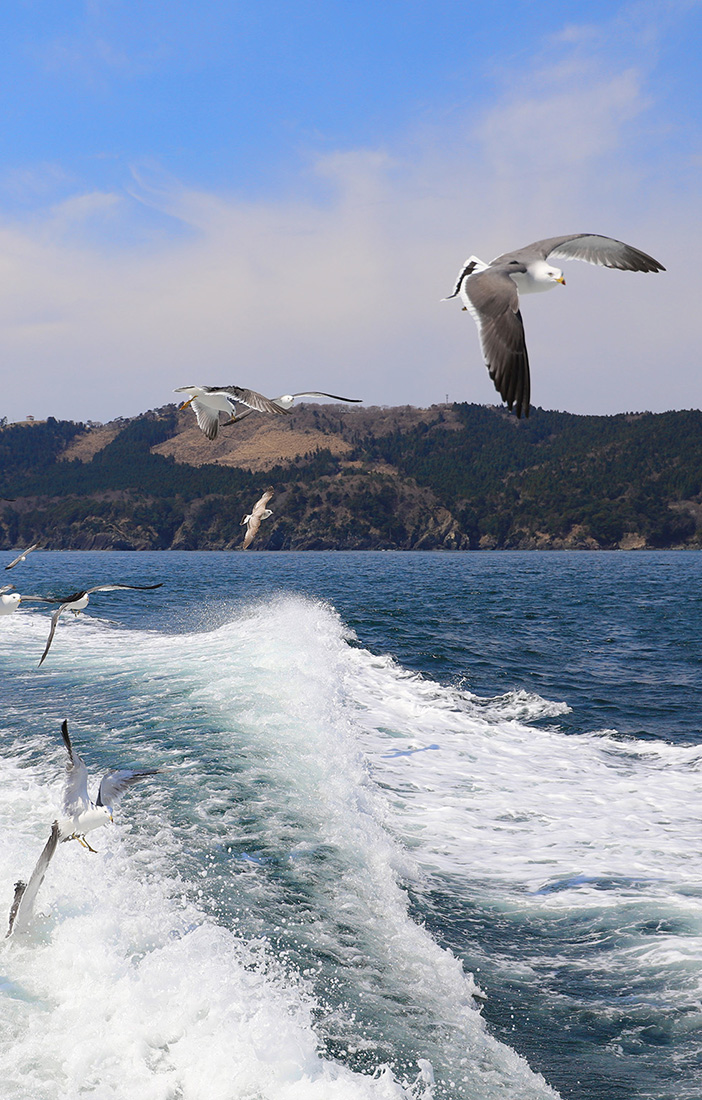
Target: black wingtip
{"type": "Point", "coordinates": [66, 738]}
{"type": "Point", "coordinates": [20, 888]}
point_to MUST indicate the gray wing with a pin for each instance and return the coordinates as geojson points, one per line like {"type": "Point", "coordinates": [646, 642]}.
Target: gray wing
{"type": "Point", "coordinates": [6, 588]}
{"type": "Point", "coordinates": [118, 587]}
{"type": "Point", "coordinates": [250, 398]}
{"type": "Point", "coordinates": [492, 299]}
{"type": "Point", "coordinates": [75, 795]}
{"type": "Point", "coordinates": [593, 249]}
{"type": "Point", "coordinates": [260, 505]}
{"type": "Point", "coordinates": [115, 783]}
{"type": "Point", "coordinates": [22, 556]}
{"type": "Point", "coordinates": [54, 620]}
{"type": "Point", "coordinates": [207, 418]}
{"type": "Point", "coordinates": [333, 396]}
{"type": "Point", "coordinates": [254, 522]}
{"type": "Point", "coordinates": [304, 393]}
{"type": "Point", "coordinates": [25, 894]}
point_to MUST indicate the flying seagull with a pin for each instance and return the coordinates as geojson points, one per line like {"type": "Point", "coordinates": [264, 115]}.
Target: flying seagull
{"type": "Point", "coordinates": [22, 556]}
{"type": "Point", "coordinates": [209, 401]}
{"type": "Point", "coordinates": [26, 892]}
{"type": "Point", "coordinates": [258, 512]}
{"type": "Point", "coordinates": [83, 815]}
{"type": "Point", "coordinates": [490, 292]}
{"type": "Point", "coordinates": [287, 400]}
{"type": "Point", "coordinates": [79, 600]}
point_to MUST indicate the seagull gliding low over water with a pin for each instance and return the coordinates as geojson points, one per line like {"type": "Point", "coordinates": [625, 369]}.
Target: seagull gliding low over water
{"type": "Point", "coordinates": [79, 600]}
{"type": "Point", "coordinates": [490, 292]}
{"type": "Point", "coordinates": [82, 815]}
{"type": "Point", "coordinates": [22, 556]}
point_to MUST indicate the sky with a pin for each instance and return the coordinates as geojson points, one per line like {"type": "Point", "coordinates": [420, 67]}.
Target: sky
{"type": "Point", "coordinates": [277, 195]}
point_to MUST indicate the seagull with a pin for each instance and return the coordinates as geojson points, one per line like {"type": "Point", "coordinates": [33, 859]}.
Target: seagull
{"type": "Point", "coordinates": [258, 512]}
{"type": "Point", "coordinates": [209, 401]}
{"type": "Point", "coordinates": [79, 600]}
{"type": "Point", "coordinates": [26, 892]}
{"type": "Point", "coordinates": [22, 556]}
{"type": "Point", "coordinates": [490, 292]}
{"type": "Point", "coordinates": [83, 815]}
{"type": "Point", "coordinates": [287, 400]}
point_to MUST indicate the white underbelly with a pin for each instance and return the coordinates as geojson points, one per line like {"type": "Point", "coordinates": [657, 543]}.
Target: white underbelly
{"type": "Point", "coordinates": [83, 823]}
{"type": "Point", "coordinates": [218, 401]}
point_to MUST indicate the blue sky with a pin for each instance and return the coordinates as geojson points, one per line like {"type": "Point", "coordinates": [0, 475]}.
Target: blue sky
{"type": "Point", "coordinates": [278, 194]}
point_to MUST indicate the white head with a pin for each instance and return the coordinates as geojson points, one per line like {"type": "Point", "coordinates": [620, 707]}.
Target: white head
{"type": "Point", "coordinates": [545, 274]}
{"type": "Point", "coordinates": [10, 603]}
{"type": "Point", "coordinates": [266, 513]}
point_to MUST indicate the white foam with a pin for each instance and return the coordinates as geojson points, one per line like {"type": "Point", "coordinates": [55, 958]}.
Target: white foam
{"type": "Point", "coordinates": [125, 990]}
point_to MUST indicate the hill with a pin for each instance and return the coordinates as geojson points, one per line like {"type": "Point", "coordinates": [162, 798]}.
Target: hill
{"type": "Point", "coordinates": [448, 477]}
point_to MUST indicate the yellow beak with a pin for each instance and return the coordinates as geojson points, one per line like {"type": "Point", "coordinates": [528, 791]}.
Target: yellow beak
{"type": "Point", "coordinates": [186, 403]}
{"type": "Point", "coordinates": [561, 280]}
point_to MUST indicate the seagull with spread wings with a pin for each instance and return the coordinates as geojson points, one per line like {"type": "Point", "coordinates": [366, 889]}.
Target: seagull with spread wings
{"type": "Point", "coordinates": [209, 401]}
{"type": "Point", "coordinates": [258, 513]}
{"type": "Point", "coordinates": [81, 814]}
{"type": "Point", "coordinates": [490, 292]}
{"type": "Point", "coordinates": [22, 556]}
{"type": "Point", "coordinates": [79, 600]}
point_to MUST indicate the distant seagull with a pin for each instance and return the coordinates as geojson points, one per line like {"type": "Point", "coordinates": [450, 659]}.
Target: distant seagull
{"type": "Point", "coordinates": [259, 512]}
{"type": "Point", "coordinates": [287, 400]}
{"type": "Point", "coordinates": [82, 815]}
{"type": "Point", "coordinates": [79, 600]}
{"type": "Point", "coordinates": [26, 892]}
{"type": "Point", "coordinates": [22, 556]}
{"type": "Point", "coordinates": [209, 401]}
{"type": "Point", "coordinates": [490, 292]}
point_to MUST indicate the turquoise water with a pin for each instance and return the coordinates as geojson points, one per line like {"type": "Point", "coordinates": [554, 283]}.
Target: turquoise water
{"type": "Point", "coordinates": [429, 828]}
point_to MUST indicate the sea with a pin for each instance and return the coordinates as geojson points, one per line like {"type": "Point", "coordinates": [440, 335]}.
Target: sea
{"type": "Point", "coordinates": [426, 827]}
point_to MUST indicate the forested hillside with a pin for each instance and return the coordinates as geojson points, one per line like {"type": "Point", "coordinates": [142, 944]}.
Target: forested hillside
{"type": "Point", "coordinates": [452, 476]}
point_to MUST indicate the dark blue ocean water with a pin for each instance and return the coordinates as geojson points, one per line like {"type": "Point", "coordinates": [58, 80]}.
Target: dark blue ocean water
{"type": "Point", "coordinates": [395, 773]}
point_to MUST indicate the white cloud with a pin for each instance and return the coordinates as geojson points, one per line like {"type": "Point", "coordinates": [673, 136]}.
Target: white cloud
{"type": "Point", "coordinates": [107, 302]}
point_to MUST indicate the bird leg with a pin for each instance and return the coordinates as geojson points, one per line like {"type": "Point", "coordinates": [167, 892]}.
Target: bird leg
{"type": "Point", "coordinates": [84, 843]}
